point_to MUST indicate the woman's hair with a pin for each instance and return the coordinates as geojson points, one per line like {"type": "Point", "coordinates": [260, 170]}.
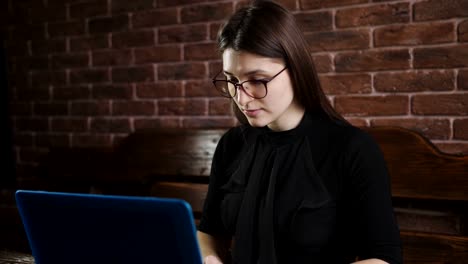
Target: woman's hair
{"type": "Point", "coordinates": [269, 30]}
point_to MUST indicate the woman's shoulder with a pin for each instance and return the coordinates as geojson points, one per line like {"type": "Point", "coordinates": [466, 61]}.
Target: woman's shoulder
{"type": "Point", "coordinates": [233, 134]}
{"type": "Point", "coordinates": [351, 137]}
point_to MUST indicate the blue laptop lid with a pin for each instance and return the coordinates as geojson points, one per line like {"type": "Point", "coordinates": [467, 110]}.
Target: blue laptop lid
{"type": "Point", "coordinates": [89, 228]}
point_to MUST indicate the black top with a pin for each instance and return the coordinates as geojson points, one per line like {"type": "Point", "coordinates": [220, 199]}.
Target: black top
{"type": "Point", "coordinates": [318, 193]}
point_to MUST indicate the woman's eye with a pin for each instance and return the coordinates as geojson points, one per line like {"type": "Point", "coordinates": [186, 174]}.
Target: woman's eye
{"type": "Point", "coordinates": [256, 82]}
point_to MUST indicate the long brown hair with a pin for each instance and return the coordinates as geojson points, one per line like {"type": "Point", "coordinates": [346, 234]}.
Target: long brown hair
{"type": "Point", "coordinates": [267, 29]}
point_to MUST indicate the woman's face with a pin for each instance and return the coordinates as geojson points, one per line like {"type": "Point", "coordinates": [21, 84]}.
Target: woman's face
{"type": "Point", "coordinates": [278, 110]}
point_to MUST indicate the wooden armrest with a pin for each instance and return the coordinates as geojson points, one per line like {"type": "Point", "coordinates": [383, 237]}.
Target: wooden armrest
{"type": "Point", "coordinates": [422, 247]}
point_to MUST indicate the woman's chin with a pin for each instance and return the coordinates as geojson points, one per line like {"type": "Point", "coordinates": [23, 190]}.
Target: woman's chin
{"type": "Point", "coordinates": [256, 122]}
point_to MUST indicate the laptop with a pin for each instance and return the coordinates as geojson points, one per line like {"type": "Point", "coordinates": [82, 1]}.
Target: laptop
{"type": "Point", "coordinates": [88, 228]}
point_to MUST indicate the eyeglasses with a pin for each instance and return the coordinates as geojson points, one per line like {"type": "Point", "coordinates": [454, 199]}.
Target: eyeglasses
{"type": "Point", "coordinates": [254, 88]}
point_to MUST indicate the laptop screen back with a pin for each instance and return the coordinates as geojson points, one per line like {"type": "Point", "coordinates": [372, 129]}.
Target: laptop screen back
{"type": "Point", "coordinates": [88, 228]}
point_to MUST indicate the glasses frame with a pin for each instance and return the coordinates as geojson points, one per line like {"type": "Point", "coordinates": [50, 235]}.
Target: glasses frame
{"type": "Point", "coordinates": [238, 86]}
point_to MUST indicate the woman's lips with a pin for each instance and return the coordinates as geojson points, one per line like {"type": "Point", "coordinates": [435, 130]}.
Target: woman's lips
{"type": "Point", "coordinates": [252, 113]}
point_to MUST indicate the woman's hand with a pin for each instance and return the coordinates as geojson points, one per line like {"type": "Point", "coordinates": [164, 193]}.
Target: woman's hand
{"type": "Point", "coordinates": [212, 260]}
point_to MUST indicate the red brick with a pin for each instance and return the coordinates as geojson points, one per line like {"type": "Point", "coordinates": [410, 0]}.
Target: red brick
{"type": "Point", "coordinates": [203, 88]}
{"type": "Point", "coordinates": [338, 40]}
{"type": "Point", "coordinates": [89, 43]}
{"type": "Point", "coordinates": [88, 9]}
{"type": "Point", "coordinates": [169, 3]}
{"type": "Point", "coordinates": [463, 80]}
{"type": "Point", "coordinates": [23, 139]}
{"type": "Point", "coordinates": [182, 107]}
{"type": "Point", "coordinates": [319, 4]}
{"type": "Point", "coordinates": [208, 122]}
{"type": "Point", "coordinates": [372, 105]}
{"type": "Point", "coordinates": [288, 4]}
{"type": "Point", "coordinates": [69, 124]}
{"type": "Point", "coordinates": [15, 11]}
{"type": "Point", "coordinates": [219, 106]}
{"type": "Point", "coordinates": [167, 53]}
{"type": "Point", "coordinates": [323, 63]}
{"type": "Point", "coordinates": [71, 92]}
{"type": "Point", "coordinates": [89, 76]}
{"type": "Point", "coordinates": [441, 57]}
{"type": "Point", "coordinates": [94, 108]}
{"type": "Point", "coordinates": [205, 12]}
{"type": "Point", "coordinates": [108, 24]}
{"type": "Point", "coordinates": [133, 108]}
{"type": "Point", "coordinates": [414, 34]}
{"type": "Point", "coordinates": [91, 140]}
{"type": "Point", "coordinates": [414, 81]}
{"type": "Point", "coordinates": [70, 60]}
{"type": "Point", "coordinates": [31, 154]}
{"type": "Point", "coordinates": [48, 77]}
{"type": "Point", "coordinates": [23, 32]}
{"type": "Point", "coordinates": [20, 108]}
{"type": "Point", "coordinates": [39, 62]}
{"type": "Point", "coordinates": [34, 93]}
{"type": "Point", "coordinates": [35, 124]}
{"type": "Point", "coordinates": [133, 39]}
{"type": "Point", "coordinates": [431, 128]}
{"type": "Point", "coordinates": [25, 171]}
{"type": "Point", "coordinates": [133, 74]}
{"type": "Point", "coordinates": [111, 57]}
{"type": "Point", "coordinates": [53, 140]}
{"type": "Point", "coordinates": [40, 13]}
{"type": "Point", "coordinates": [372, 60]}
{"type": "Point", "coordinates": [453, 148]}
{"type": "Point", "coordinates": [65, 29]}
{"type": "Point", "coordinates": [435, 9]}
{"type": "Point", "coordinates": [460, 129]}
{"type": "Point", "coordinates": [17, 49]}
{"type": "Point", "coordinates": [359, 122]}
{"type": "Point", "coordinates": [197, 52]}
{"type": "Point", "coordinates": [214, 67]}
{"type": "Point", "coordinates": [48, 46]}
{"type": "Point", "coordinates": [380, 14]}
{"type": "Point", "coordinates": [152, 123]}
{"type": "Point", "coordinates": [155, 18]}
{"type": "Point", "coordinates": [463, 31]}
{"type": "Point", "coordinates": [159, 90]}
{"type": "Point", "coordinates": [110, 125]}
{"type": "Point", "coordinates": [440, 104]}
{"type": "Point", "coordinates": [318, 21]}
{"type": "Point", "coordinates": [214, 29]}
{"type": "Point", "coordinates": [182, 71]}
{"type": "Point", "coordinates": [17, 80]}
{"type": "Point", "coordinates": [50, 108]}
{"type": "Point", "coordinates": [119, 6]}
{"type": "Point", "coordinates": [346, 84]}
{"type": "Point", "coordinates": [186, 33]}
{"type": "Point", "coordinates": [115, 91]}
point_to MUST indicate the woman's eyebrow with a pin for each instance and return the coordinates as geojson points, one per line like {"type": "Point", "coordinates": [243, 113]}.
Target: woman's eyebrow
{"type": "Point", "coordinates": [249, 73]}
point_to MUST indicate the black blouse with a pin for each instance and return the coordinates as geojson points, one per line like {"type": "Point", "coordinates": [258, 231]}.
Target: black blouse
{"type": "Point", "coordinates": [318, 193]}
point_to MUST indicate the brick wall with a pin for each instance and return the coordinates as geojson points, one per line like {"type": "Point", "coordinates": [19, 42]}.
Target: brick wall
{"type": "Point", "coordinates": [87, 72]}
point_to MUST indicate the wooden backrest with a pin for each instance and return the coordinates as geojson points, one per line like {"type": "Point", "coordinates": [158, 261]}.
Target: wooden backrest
{"type": "Point", "coordinates": [177, 162]}
{"type": "Point", "coordinates": [172, 153]}
{"type": "Point", "coordinates": [418, 169]}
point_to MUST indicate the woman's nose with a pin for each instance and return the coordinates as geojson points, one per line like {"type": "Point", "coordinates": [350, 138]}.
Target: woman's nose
{"type": "Point", "coordinates": [242, 97]}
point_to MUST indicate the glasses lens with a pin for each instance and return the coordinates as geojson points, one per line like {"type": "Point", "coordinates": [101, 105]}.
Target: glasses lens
{"type": "Point", "coordinates": [223, 87]}
{"type": "Point", "coordinates": [256, 89]}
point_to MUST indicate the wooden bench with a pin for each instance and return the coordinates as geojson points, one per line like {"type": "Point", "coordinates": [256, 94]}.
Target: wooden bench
{"type": "Point", "coordinates": [429, 188]}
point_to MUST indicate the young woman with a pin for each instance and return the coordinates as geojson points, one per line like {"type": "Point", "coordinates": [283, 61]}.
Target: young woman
{"type": "Point", "coordinates": [295, 183]}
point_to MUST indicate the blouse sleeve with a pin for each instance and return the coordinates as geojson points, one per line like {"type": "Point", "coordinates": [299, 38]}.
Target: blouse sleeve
{"type": "Point", "coordinates": [210, 221]}
{"type": "Point", "coordinates": [378, 232]}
